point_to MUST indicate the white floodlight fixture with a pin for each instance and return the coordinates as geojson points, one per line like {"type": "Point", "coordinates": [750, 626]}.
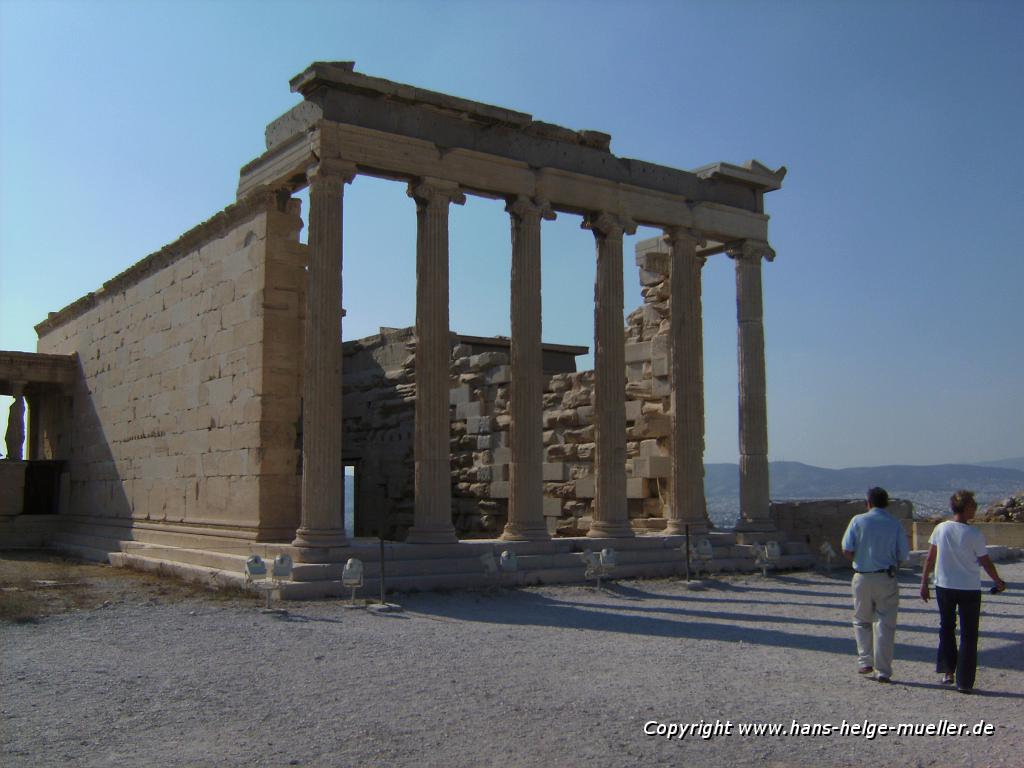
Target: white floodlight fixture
{"type": "Point", "coordinates": [701, 553]}
{"type": "Point", "coordinates": [768, 555]}
{"type": "Point", "coordinates": [352, 577]}
{"type": "Point", "coordinates": [282, 567]}
{"type": "Point", "coordinates": [598, 565]}
{"type": "Point", "coordinates": [509, 562]}
{"type": "Point", "coordinates": [255, 567]}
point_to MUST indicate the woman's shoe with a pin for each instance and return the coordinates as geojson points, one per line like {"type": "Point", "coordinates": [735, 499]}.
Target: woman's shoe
{"type": "Point", "coordinates": [948, 679]}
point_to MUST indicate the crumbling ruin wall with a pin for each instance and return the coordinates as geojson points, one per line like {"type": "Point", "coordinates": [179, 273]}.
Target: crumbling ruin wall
{"type": "Point", "coordinates": [379, 418]}
{"type": "Point", "coordinates": [186, 407]}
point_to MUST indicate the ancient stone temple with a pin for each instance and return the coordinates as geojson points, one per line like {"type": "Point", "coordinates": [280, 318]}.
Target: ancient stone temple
{"type": "Point", "coordinates": [214, 406]}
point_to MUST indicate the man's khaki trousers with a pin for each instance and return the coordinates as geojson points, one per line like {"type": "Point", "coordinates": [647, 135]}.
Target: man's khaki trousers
{"type": "Point", "coordinates": [876, 600]}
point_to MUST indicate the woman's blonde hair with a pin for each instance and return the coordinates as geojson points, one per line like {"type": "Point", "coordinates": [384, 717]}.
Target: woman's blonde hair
{"type": "Point", "coordinates": [960, 500]}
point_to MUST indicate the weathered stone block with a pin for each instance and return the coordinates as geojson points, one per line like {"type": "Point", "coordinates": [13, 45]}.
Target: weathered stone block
{"type": "Point", "coordinates": [656, 259]}
{"type": "Point", "coordinates": [460, 395]}
{"type": "Point", "coordinates": [501, 374]}
{"type": "Point", "coordinates": [652, 466]}
{"type": "Point", "coordinates": [633, 410]}
{"type": "Point", "coordinates": [480, 425]}
{"type": "Point", "coordinates": [487, 360]}
{"type": "Point", "coordinates": [499, 490]}
{"type": "Point", "coordinates": [552, 507]}
{"type": "Point", "coordinates": [560, 452]}
{"type": "Point", "coordinates": [638, 353]}
{"type": "Point", "coordinates": [554, 471]}
{"type": "Point", "coordinates": [585, 487]}
{"type": "Point", "coordinates": [584, 435]}
{"type": "Point", "coordinates": [502, 455]}
{"type": "Point", "coordinates": [492, 473]}
{"type": "Point", "coordinates": [651, 448]}
{"type": "Point", "coordinates": [469, 410]}
{"type": "Point", "coordinates": [636, 488]}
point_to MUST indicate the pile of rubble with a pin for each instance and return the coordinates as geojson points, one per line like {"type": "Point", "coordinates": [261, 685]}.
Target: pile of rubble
{"type": "Point", "coordinates": [1009, 510]}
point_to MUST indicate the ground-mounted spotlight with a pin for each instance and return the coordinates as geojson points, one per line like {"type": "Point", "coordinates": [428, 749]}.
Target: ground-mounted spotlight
{"type": "Point", "coordinates": [352, 578]}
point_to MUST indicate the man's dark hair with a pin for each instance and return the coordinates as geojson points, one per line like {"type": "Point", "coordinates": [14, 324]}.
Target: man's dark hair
{"type": "Point", "coordinates": [878, 497]}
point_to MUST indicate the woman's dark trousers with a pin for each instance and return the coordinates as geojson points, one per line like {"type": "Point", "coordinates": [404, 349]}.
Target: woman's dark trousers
{"type": "Point", "coordinates": [964, 663]}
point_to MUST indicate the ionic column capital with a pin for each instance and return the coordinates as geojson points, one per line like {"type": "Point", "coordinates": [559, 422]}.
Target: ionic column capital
{"type": "Point", "coordinates": [428, 191]}
{"type": "Point", "coordinates": [683, 237]}
{"type": "Point", "coordinates": [523, 207]}
{"type": "Point", "coordinates": [330, 171]}
{"type": "Point", "coordinates": [751, 250]}
{"type": "Point", "coordinates": [684, 242]}
{"type": "Point", "coordinates": [605, 224]}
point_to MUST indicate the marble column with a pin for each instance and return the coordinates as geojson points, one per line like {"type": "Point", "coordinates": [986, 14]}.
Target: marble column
{"type": "Point", "coordinates": [14, 438]}
{"type": "Point", "coordinates": [526, 487]}
{"type": "Point", "coordinates": [611, 515]}
{"type": "Point", "coordinates": [753, 405]}
{"type": "Point", "coordinates": [688, 505]}
{"type": "Point", "coordinates": [432, 521]}
{"type": "Point", "coordinates": [322, 524]}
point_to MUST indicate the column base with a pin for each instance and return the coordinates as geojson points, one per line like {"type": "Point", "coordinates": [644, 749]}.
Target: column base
{"type": "Point", "coordinates": [603, 530]}
{"type": "Point", "coordinates": [421, 535]}
{"type": "Point", "coordinates": [323, 538]}
{"type": "Point", "coordinates": [525, 533]}
{"type": "Point", "coordinates": [678, 527]}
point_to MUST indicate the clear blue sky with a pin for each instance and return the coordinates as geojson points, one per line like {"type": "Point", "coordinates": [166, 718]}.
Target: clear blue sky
{"type": "Point", "coordinates": [893, 313]}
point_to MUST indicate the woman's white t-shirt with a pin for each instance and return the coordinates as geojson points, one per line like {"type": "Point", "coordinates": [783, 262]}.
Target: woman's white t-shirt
{"type": "Point", "coordinates": [959, 547]}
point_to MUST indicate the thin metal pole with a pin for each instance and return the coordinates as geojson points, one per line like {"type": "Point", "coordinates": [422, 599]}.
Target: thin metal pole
{"type": "Point", "coordinates": [686, 529]}
{"type": "Point", "coordinates": [381, 539]}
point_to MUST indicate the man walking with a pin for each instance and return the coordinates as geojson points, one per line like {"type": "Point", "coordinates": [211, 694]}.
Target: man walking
{"type": "Point", "coordinates": [876, 543]}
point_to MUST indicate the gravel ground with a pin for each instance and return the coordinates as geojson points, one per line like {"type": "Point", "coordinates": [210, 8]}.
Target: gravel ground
{"type": "Point", "coordinates": [553, 676]}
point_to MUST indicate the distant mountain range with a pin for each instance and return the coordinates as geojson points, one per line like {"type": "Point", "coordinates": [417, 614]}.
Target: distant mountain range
{"type": "Point", "coordinates": [793, 480]}
{"type": "Point", "coordinates": [1017, 463]}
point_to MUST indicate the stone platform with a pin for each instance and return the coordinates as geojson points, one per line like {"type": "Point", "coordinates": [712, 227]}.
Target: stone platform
{"type": "Point", "coordinates": [421, 567]}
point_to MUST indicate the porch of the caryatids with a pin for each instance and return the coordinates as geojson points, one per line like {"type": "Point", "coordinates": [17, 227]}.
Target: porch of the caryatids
{"type": "Point", "coordinates": [322, 523]}
{"type": "Point", "coordinates": [526, 486]}
{"type": "Point", "coordinates": [753, 404]}
{"type": "Point", "coordinates": [688, 505]}
{"type": "Point", "coordinates": [432, 520]}
{"type": "Point", "coordinates": [14, 437]}
{"type": "Point", "coordinates": [611, 515]}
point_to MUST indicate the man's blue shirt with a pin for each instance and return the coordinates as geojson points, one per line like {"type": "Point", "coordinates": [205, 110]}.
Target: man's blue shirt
{"type": "Point", "coordinates": [877, 540]}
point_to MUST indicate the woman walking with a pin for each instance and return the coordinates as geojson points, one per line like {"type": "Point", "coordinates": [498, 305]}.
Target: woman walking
{"type": "Point", "coordinates": [957, 549]}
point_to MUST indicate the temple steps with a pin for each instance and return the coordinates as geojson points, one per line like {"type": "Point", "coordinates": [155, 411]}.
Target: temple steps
{"type": "Point", "coordinates": [410, 568]}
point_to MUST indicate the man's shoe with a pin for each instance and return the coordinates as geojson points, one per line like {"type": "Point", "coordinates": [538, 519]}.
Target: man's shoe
{"type": "Point", "coordinates": [865, 670]}
{"type": "Point", "coordinates": [965, 690]}
{"type": "Point", "coordinates": [948, 679]}
{"type": "Point", "coordinates": [884, 679]}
